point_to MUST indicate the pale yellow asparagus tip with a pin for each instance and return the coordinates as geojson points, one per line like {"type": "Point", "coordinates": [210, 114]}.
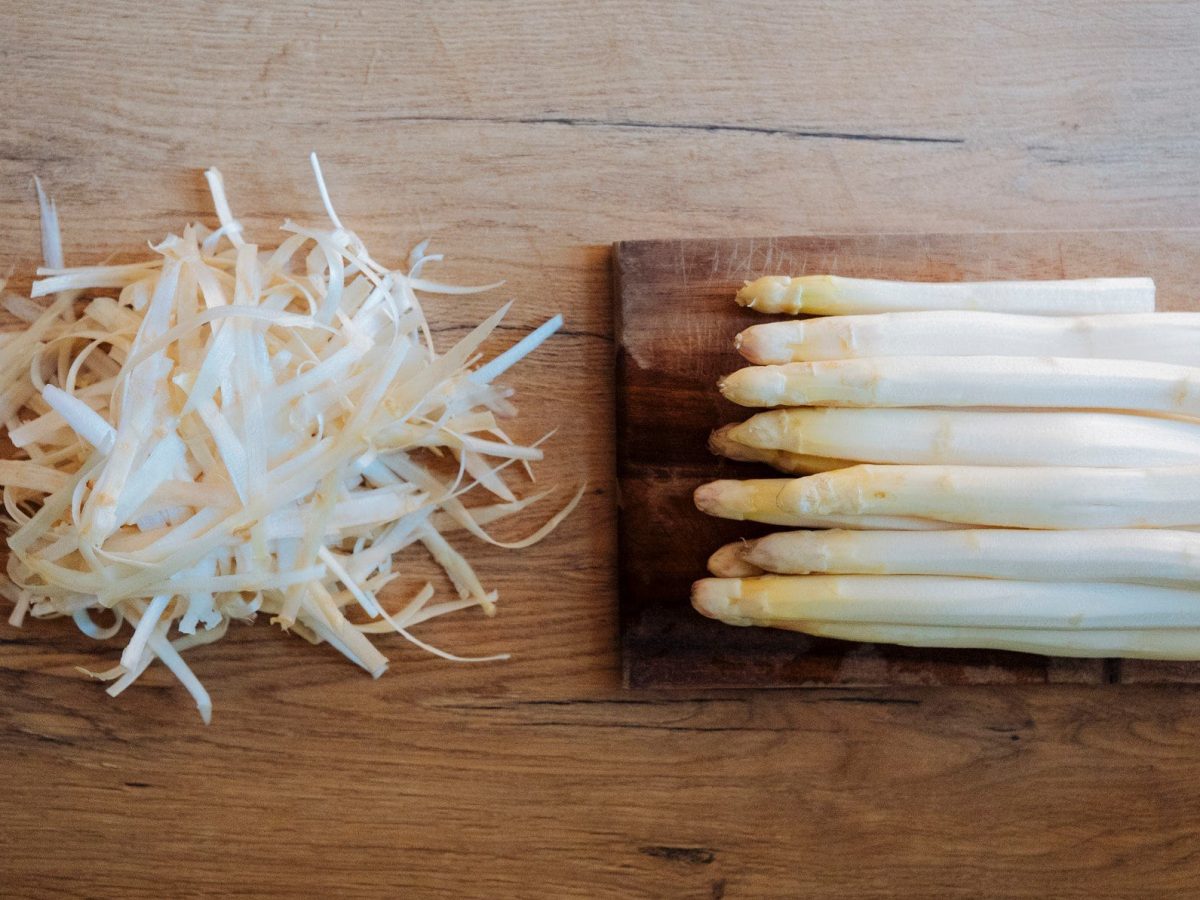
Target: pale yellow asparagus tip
{"type": "Point", "coordinates": [726, 499]}
{"type": "Point", "coordinates": [759, 431]}
{"type": "Point", "coordinates": [730, 498]}
{"type": "Point", "coordinates": [754, 386]}
{"type": "Point", "coordinates": [727, 562]}
{"type": "Point", "coordinates": [707, 497]}
{"type": "Point", "coordinates": [758, 345]}
{"type": "Point", "coordinates": [716, 597]}
{"type": "Point", "coordinates": [721, 443]}
{"type": "Point", "coordinates": [772, 294]}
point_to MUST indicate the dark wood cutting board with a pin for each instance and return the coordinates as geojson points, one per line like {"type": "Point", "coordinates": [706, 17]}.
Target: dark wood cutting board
{"type": "Point", "coordinates": [675, 322]}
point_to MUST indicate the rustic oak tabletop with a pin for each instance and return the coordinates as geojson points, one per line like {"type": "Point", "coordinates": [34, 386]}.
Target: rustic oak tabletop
{"type": "Point", "coordinates": [524, 138]}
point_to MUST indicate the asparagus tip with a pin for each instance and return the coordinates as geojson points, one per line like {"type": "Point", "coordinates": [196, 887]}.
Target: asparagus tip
{"type": "Point", "coordinates": [717, 440]}
{"type": "Point", "coordinates": [728, 562]}
{"type": "Point", "coordinates": [772, 294]}
{"type": "Point", "coordinates": [748, 343]}
{"type": "Point", "coordinates": [720, 498]}
{"type": "Point", "coordinates": [717, 598]}
{"type": "Point", "coordinates": [709, 597]}
{"type": "Point", "coordinates": [706, 496]}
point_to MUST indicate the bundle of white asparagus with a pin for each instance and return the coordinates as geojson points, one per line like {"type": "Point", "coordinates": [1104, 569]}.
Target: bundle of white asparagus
{"type": "Point", "coordinates": [1007, 465]}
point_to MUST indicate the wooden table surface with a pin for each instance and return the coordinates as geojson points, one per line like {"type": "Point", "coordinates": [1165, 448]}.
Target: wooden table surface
{"type": "Point", "coordinates": [525, 138]}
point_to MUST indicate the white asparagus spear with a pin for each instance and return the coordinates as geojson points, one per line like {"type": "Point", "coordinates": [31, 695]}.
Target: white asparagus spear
{"type": "Point", "coordinates": [1165, 337]}
{"type": "Point", "coordinates": [838, 295]}
{"type": "Point", "coordinates": [1147, 555]}
{"type": "Point", "coordinates": [1004, 496]}
{"type": "Point", "coordinates": [1177, 644]}
{"type": "Point", "coordinates": [976, 381]}
{"type": "Point", "coordinates": [756, 500]}
{"type": "Point", "coordinates": [712, 597]}
{"type": "Point", "coordinates": [720, 443]}
{"type": "Point", "coordinates": [974, 437]}
{"type": "Point", "coordinates": [941, 601]}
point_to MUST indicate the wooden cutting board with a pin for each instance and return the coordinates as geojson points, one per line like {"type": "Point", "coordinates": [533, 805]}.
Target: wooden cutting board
{"type": "Point", "coordinates": [675, 322]}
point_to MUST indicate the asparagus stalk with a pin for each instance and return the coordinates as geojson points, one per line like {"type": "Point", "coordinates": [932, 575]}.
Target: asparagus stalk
{"type": "Point", "coordinates": [720, 443]}
{"type": "Point", "coordinates": [1062, 618]}
{"type": "Point", "coordinates": [756, 500]}
{"type": "Point", "coordinates": [972, 437]}
{"type": "Point", "coordinates": [1041, 497]}
{"type": "Point", "coordinates": [837, 295]}
{"type": "Point", "coordinates": [941, 601]}
{"type": "Point", "coordinates": [1147, 556]}
{"type": "Point", "coordinates": [1132, 643]}
{"type": "Point", "coordinates": [980, 381]}
{"type": "Point", "coordinates": [1167, 337]}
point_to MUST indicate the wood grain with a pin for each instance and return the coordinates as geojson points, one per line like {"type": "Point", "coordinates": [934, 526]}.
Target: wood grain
{"type": "Point", "coordinates": [524, 138]}
{"type": "Point", "coordinates": [675, 322]}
